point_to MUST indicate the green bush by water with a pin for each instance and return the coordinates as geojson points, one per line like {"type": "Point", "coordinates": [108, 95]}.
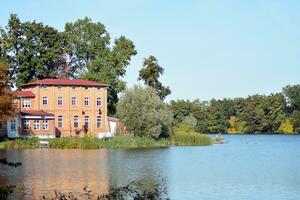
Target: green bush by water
{"type": "Point", "coordinates": [185, 136]}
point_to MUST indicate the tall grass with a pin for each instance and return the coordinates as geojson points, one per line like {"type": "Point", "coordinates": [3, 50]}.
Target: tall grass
{"type": "Point", "coordinates": [185, 136]}
{"type": "Point", "coordinates": [87, 143]}
{"type": "Point", "coordinates": [181, 137]}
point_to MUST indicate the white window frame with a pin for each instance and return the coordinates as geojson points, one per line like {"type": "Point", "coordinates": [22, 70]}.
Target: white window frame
{"type": "Point", "coordinates": [36, 125]}
{"type": "Point", "coordinates": [26, 103]}
{"type": "Point", "coordinates": [13, 125]}
{"type": "Point", "coordinates": [99, 101]}
{"type": "Point", "coordinates": [76, 120]}
{"type": "Point", "coordinates": [86, 121]}
{"type": "Point", "coordinates": [59, 121]}
{"type": "Point", "coordinates": [99, 121]}
{"type": "Point", "coordinates": [45, 124]}
{"type": "Point", "coordinates": [74, 100]}
{"type": "Point", "coordinates": [26, 124]}
{"type": "Point", "coordinates": [86, 101]}
{"type": "Point", "coordinates": [45, 101]}
{"type": "Point", "coordinates": [58, 101]}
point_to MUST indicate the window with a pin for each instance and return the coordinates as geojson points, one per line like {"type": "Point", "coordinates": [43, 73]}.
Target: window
{"type": "Point", "coordinates": [36, 125]}
{"type": "Point", "coordinates": [86, 87]}
{"type": "Point", "coordinates": [26, 103]}
{"type": "Point", "coordinates": [99, 101]}
{"type": "Point", "coordinates": [26, 125]}
{"type": "Point", "coordinates": [0, 126]}
{"type": "Point", "coordinates": [60, 121]}
{"type": "Point", "coordinates": [75, 121]}
{"type": "Point", "coordinates": [44, 86]}
{"type": "Point", "coordinates": [60, 101]}
{"type": "Point", "coordinates": [98, 88]}
{"type": "Point", "coordinates": [98, 121]}
{"type": "Point", "coordinates": [73, 88]}
{"type": "Point", "coordinates": [73, 101]}
{"type": "Point", "coordinates": [45, 125]}
{"type": "Point", "coordinates": [59, 87]}
{"type": "Point", "coordinates": [86, 101]}
{"type": "Point", "coordinates": [13, 125]}
{"type": "Point", "coordinates": [45, 100]}
{"type": "Point", "coordinates": [86, 121]}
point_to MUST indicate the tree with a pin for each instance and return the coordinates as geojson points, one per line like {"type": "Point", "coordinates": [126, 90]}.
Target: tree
{"type": "Point", "coordinates": [144, 113]}
{"type": "Point", "coordinates": [6, 96]}
{"type": "Point", "coordinates": [296, 121]}
{"type": "Point", "coordinates": [92, 58]}
{"type": "Point", "coordinates": [150, 73]}
{"type": "Point", "coordinates": [33, 50]}
{"type": "Point", "coordinates": [286, 127]}
{"type": "Point", "coordinates": [292, 93]}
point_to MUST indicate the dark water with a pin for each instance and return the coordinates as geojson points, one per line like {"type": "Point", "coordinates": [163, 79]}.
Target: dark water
{"type": "Point", "coordinates": [248, 167]}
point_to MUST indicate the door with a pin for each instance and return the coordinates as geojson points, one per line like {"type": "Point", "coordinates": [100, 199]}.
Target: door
{"type": "Point", "coordinates": [13, 127]}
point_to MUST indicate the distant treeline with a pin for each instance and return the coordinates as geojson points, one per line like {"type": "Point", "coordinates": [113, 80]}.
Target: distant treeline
{"type": "Point", "coordinates": [275, 113]}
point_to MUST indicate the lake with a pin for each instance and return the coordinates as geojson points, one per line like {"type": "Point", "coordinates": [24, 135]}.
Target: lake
{"type": "Point", "coordinates": [247, 167]}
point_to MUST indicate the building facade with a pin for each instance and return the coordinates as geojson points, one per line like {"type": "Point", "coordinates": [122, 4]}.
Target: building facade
{"type": "Point", "coordinates": [60, 108]}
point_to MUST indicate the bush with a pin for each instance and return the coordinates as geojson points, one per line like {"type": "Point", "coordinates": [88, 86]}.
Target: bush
{"type": "Point", "coordinates": [144, 113]}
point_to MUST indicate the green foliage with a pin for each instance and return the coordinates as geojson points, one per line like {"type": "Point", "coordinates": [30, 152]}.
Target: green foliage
{"type": "Point", "coordinates": [6, 96]}
{"type": "Point", "coordinates": [254, 114]}
{"type": "Point", "coordinates": [296, 121]}
{"type": "Point", "coordinates": [83, 50]}
{"type": "Point", "coordinates": [184, 136]}
{"type": "Point", "coordinates": [293, 96]}
{"type": "Point", "coordinates": [150, 73]}
{"type": "Point", "coordinates": [93, 58]}
{"type": "Point", "coordinates": [190, 121]}
{"type": "Point", "coordinates": [144, 113]}
{"type": "Point", "coordinates": [33, 50]}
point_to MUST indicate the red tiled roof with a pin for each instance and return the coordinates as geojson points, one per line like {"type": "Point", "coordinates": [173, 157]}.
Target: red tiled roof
{"type": "Point", "coordinates": [20, 94]}
{"type": "Point", "coordinates": [36, 113]}
{"type": "Point", "coordinates": [75, 82]}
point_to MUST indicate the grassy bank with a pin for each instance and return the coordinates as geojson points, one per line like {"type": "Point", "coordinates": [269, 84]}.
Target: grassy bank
{"type": "Point", "coordinates": [180, 137]}
{"type": "Point", "coordinates": [184, 136]}
{"type": "Point", "coordinates": [87, 143]}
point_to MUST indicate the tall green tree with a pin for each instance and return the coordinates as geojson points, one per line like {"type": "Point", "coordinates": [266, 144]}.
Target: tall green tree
{"type": "Point", "coordinates": [33, 50]}
{"type": "Point", "coordinates": [6, 95]}
{"type": "Point", "coordinates": [150, 74]}
{"type": "Point", "coordinates": [144, 113]}
{"type": "Point", "coordinates": [292, 93]}
{"type": "Point", "coordinates": [93, 57]}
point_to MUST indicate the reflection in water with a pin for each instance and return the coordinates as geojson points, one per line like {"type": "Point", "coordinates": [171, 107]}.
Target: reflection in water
{"type": "Point", "coordinates": [148, 168]}
{"type": "Point", "coordinates": [45, 170]}
{"type": "Point", "coordinates": [248, 167]}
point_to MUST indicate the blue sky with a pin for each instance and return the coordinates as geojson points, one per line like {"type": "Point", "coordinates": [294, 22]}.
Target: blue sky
{"type": "Point", "coordinates": [208, 48]}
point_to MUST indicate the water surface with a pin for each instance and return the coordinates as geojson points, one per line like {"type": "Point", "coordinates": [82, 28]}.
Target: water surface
{"type": "Point", "coordinates": [247, 167]}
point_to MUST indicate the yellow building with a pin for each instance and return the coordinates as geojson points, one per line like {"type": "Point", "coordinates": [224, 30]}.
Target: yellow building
{"type": "Point", "coordinates": [59, 108]}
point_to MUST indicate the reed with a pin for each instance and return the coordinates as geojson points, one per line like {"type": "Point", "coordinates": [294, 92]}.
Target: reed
{"type": "Point", "coordinates": [185, 136]}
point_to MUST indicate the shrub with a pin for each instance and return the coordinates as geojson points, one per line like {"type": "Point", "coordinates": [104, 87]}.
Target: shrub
{"type": "Point", "coordinates": [144, 113]}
